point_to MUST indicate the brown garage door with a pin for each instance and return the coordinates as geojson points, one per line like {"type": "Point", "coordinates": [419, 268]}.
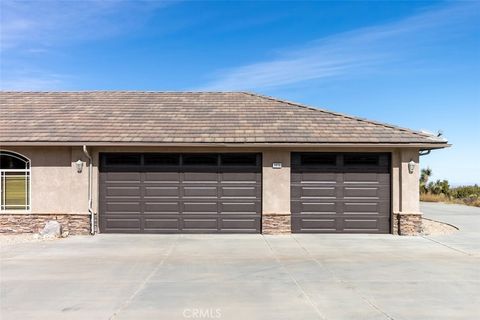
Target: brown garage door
{"type": "Point", "coordinates": [340, 193]}
{"type": "Point", "coordinates": [180, 193]}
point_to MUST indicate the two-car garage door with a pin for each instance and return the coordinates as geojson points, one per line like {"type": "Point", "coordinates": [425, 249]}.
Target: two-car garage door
{"type": "Point", "coordinates": [187, 193]}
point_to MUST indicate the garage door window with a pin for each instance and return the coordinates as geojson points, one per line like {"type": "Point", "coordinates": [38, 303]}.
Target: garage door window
{"type": "Point", "coordinates": [361, 160]}
{"type": "Point", "coordinates": [15, 181]}
{"type": "Point", "coordinates": [122, 159]}
{"type": "Point", "coordinates": [200, 160]}
{"type": "Point", "coordinates": [318, 159]}
{"type": "Point", "coordinates": [158, 159]}
{"type": "Point", "coordinates": [239, 160]}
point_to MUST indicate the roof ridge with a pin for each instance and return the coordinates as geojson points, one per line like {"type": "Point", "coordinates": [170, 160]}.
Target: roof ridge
{"type": "Point", "coordinates": [377, 123]}
{"type": "Point", "coordinates": [114, 91]}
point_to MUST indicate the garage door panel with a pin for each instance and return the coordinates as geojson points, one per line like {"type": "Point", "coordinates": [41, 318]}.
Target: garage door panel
{"type": "Point", "coordinates": [162, 177]}
{"type": "Point", "coordinates": [240, 177]}
{"type": "Point", "coordinates": [162, 207]}
{"type": "Point", "coordinates": [367, 178]}
{"type": "Point", "coordinates": [312, 177]}
{"type": "Point", "coordinates": [121, 223]}
{"type": "Point", "coordinates": [200, 191]}
{"type": "Point", "coordinates": [363, 192]}
{"type": "Point", "coordinates": [239, 192]}
{"type": "Point", "coordinates": [152, 192]}
{"type": "Point", "coordinates": [366, 225]}
{"type": "Point", "coordinates": [351, 224]}
{"type": "Point", "coordinates": [353, 197]}
{"type": "Point", "coordinates": [312, 192]}
{"type": "Point", "coordinates": [161, 224]}
{"type": "Point", "coordinates": [240, 208]}
{"type": "Point", "coordinates": [247, 225]}
{"type": "Point", "coordinates": [204, 224]}
{"type": "Point", "coordinates": [123, 207]}
{"type": "Point", "coordinates": [366, 207]}
{"type": "Point", "coordinates": [300, 207]}
{"type": "Point", "coordinates": [123, 191]}
{"type": "Point", "coordinates": [314, 224]}
{"type": "Point", "coordinates": [200, 207]}
{"type": "Point", "coordinates": [336, 224]}
{"type": "Point", "coordinates": [200, 177]}
{"type": "Point", "coordinates": [122, 177]}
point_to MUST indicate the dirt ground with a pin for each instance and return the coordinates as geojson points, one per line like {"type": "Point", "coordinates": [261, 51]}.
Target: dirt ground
{"type": "Point", "coordinates": [432, 227]}
{"type": "Point", "coordinates": [12, 239]}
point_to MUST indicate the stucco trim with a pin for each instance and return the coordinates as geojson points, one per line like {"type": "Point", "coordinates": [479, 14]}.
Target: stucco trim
{"type": "Point", "coordinates": [408, 213]}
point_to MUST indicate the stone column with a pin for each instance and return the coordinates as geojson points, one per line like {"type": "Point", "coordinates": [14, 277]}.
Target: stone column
{"type": "Point", "coordinates": [276, 215]}
{"type": "Point", "coordinates": [407, 218]}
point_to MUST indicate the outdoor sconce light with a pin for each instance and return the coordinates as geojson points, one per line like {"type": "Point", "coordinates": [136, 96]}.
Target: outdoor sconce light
{"type": "Point", "coordinates": [79, 165]}
{"type": "Point", "coordinates": [411, 166]}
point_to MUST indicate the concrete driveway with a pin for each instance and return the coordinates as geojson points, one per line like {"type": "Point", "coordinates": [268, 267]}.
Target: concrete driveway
{"type": "Point", "coordinates": [248, 276]}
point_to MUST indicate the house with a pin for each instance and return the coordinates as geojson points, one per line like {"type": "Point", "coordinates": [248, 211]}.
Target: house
{"type": "Point", "coordinates": [203, 162]}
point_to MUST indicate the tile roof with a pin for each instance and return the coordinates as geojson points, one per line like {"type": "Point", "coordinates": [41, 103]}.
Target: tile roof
{"type": "Point", "coordinates": [184, 117]}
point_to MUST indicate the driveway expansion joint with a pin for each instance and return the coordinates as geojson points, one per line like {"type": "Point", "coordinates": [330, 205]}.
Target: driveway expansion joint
{"type": "Point", "coordinates": [447, 246]}
{"type": "Point", "coordinates": [145, 281]}
{"type": "Point", "coordinates": [302, 290]}
{"type": "Point", "coordinates": [349, 285]}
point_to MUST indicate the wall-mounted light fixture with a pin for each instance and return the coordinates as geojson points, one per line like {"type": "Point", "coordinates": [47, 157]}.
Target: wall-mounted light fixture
{"type": "Point", "coordinates": [79, 166]}
{"type": "Point", "coordinates": [277, 165]}
{"type": "Point", "coordinates": [411, 166]}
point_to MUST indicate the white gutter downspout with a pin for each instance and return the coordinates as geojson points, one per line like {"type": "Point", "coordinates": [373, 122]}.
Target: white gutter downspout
{"type": "Point", "coordinates": [90, 201]}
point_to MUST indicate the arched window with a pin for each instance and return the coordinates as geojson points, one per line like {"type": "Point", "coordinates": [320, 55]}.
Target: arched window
{"type": "Point", "coordinates": [15, 181]}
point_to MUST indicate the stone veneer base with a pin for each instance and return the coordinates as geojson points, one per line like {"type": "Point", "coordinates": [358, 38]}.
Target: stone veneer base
{"type": "Point", "coordinates": [407, 224]}
{"type": "Point", "coordinates": [276, 224]}
{"type": "Point", "coordinates": [74, 224]}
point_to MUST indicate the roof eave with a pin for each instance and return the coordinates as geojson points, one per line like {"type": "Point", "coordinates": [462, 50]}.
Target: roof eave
{"type": "Point", "coordinates": [421, 146]}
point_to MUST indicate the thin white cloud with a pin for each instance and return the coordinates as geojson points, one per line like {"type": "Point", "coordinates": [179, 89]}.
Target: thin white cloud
{"type": "Point", "coordinates": [33, 80]}
{"type": "Point", "coordinates": [33, 24]}
{"type": "Point", "coordinates": [351, 52]}
{"type": "Point", "coordinates": [32, 28]}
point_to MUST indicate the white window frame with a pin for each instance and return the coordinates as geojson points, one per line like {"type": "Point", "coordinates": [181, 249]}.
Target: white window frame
{"type": "Point", "coordinates": [27, 173]}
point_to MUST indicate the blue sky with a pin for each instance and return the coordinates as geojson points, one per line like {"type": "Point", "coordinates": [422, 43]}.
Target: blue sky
{"type": "Point", "coordinates": [411, 63]}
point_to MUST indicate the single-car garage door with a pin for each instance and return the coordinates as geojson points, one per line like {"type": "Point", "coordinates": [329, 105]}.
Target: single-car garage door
{"type": "Point", "coordinates": [340, 193]}
{"type": "Point", "coordinates": [180, 193]}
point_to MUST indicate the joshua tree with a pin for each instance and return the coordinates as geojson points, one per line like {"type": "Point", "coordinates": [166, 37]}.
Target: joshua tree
{"type": "Point", "coordinates": [425, 174]}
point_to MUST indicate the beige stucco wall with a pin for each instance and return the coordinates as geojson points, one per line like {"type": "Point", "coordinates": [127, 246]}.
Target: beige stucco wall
{"type": "Point", "coordinates": [409, 182]}
{"type": "Point", "coordinates": [276, 182]}
{"type": "Point", "coordinates": [58, 188]}
{"type": "Point", "coordinates": [405, 185]}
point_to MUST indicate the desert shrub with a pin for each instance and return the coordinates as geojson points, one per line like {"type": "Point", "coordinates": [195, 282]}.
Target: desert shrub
{"type": "Point", "coordinates": [440, 191]}
{"type": "Point", "coordinates": [466, 192]}
{"type": "Point", "coordinates": [439, 187]}
{"type": "Point", "coordinates": [429, 197]}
